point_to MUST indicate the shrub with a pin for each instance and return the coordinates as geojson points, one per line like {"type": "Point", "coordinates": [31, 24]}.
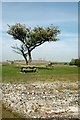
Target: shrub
{"type": "Point", "coordinates": [75, 62]}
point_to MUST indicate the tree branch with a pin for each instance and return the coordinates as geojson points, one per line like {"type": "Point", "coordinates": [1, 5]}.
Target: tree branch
{"type": "Point", "coordinates": [17, 52]}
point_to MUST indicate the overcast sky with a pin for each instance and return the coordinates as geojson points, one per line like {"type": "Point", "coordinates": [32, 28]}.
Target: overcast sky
{"type": "Point", "coordinates": [61, 14]}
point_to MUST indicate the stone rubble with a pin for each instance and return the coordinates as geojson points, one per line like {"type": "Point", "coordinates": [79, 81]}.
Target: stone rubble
{"type": "Point", "coordinates": [41, 100]}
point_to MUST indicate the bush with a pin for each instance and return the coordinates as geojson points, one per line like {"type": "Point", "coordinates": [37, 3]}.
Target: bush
{"type": "Point", "coordinates": [75, 62]}
{"type": "Point", "coordinates": [72, 62]}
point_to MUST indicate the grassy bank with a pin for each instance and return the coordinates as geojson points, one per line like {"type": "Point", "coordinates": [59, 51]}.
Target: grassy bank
{"type": "Point", "coordinates": [7, 113]}
{"type": "Point", "coordinates": [12, 73]}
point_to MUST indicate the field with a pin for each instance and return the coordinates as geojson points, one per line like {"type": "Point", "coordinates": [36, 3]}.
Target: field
{"type": "Point", "coordinates": [12, 74]}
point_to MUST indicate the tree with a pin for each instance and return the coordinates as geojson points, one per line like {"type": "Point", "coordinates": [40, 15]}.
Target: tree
{"type": "Point", "coordinates": [33, 38]}
{"type": "Point", "coordinates": [21, 50]}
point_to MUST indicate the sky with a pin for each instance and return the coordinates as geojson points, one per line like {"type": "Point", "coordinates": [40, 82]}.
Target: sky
{"type": "Point", "coordinates": [40, 0]}
{"type": "Point", "coordinates": [61, 14]}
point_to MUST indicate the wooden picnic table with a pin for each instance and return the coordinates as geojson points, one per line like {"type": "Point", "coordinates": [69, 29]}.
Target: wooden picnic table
{"type": "Point", "coordinates": [28, 69]}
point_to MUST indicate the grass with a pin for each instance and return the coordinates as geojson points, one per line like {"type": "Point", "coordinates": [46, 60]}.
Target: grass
{"type": "Point", "coordinates": [7, 113]}
{"type": "Point", "coordinates": [72, 88]}
{"type": "Point", "coordinates": [0, 72]}
{"type": "Point", "coordinates": [12, 74]}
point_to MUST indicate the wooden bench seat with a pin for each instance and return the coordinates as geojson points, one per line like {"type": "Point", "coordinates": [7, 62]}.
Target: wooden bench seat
{"type": "Point", "coordinates": [28, 69]}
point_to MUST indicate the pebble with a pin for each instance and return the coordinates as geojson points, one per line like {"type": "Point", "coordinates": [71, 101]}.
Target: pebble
{"type": "Point", "coordinates": [40, 100]}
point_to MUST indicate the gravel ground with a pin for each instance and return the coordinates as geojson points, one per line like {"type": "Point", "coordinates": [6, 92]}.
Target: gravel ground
{"type": "Point", "coordinates": [42, 100]}
{"type": "Point", "coordinates": [0, 110]}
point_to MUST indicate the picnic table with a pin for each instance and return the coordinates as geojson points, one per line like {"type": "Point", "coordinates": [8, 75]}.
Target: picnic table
{"type": "Point", "coordinates": [28, 69]}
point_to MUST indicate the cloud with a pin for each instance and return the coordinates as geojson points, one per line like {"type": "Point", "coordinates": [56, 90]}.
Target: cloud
{"type": "Point", "coordinates": [66, 19]}
{"type": "Point", "coordinates": [63, 34]}
{"type": "Point", "coordinates": [57, 51]}
{"type": "Point", "coordinates": [0, 27]}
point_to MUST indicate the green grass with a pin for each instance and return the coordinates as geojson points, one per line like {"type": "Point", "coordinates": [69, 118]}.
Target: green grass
{"type": "Point", "coordinates": [11, 73]}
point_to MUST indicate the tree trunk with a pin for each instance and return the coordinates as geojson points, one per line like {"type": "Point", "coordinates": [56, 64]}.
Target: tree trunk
{"type": "Point", "coordinates": [25, 59]}
{"type": "Point", "coordinates": [30, 58]}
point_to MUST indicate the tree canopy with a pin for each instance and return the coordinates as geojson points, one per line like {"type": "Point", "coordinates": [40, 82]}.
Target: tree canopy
{"type": "Point", "coordinates": [33, 38]}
